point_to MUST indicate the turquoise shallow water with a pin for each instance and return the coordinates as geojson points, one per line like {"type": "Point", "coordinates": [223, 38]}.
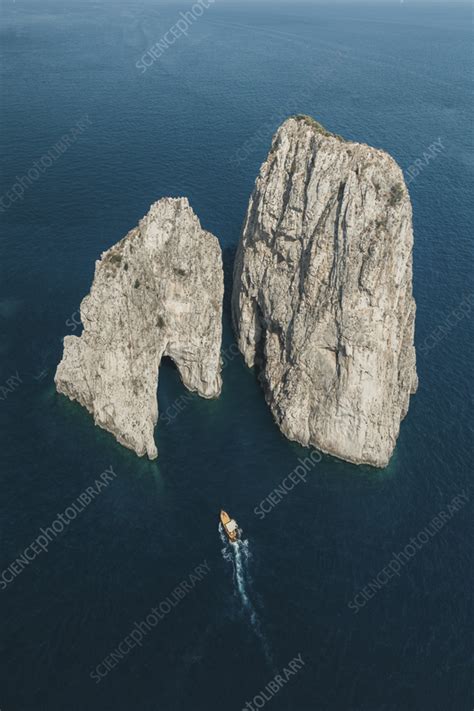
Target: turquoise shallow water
{"type": "Point", "coordinates": [393, 75]}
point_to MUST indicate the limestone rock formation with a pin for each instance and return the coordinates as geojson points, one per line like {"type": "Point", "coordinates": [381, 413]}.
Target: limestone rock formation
{"type": "Point", "coordinates": [322, 299]}
{"type": "Point", "coordinates": [158, 292]}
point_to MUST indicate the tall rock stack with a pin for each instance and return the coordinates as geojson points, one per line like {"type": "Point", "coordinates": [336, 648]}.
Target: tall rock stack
{"type": "Point", "coordinates": [158, 292]}
{"type": "Point", "coordinates": [322, 299]}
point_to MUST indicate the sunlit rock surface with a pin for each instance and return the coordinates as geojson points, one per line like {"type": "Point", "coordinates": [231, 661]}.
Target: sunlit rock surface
{"type": "Point", "coordinates": [322, 300]}
{"type": "Point", "coordinates": [158, 292]}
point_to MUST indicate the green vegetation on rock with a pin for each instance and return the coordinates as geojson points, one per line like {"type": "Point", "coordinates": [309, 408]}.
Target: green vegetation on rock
{"type": "Point", "coordinates": [310, 121]}
{"type": "Point", "coordinates": [396, 194]}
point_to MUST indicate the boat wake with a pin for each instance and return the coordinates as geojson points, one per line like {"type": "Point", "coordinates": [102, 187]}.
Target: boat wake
{"type": "Point", "coordinates": [238, 553]}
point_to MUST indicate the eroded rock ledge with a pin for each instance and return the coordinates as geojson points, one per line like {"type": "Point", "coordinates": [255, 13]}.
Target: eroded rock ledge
{"type": "Point", "coordinates": [322, 299]}
{"type": "Point", "coordinates": [158, 292]}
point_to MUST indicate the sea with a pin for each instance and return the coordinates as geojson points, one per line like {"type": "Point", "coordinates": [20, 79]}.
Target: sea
{"type": "Point", "coordinates": [353, 589]}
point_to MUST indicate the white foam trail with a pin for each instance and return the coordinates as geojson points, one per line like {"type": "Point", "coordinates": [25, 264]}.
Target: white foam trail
{"type": "Point", "coordinates": [238, 554]}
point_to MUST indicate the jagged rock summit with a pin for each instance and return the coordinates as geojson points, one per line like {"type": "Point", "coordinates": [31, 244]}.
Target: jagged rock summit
{"type": "Point", "coordinates": [322, 299]}
{"type": "Point", "coordinates": [158, 292]}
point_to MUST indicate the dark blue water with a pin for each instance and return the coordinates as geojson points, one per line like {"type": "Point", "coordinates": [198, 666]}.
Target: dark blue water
{"type": "Point", "coordinates": [395, 75]}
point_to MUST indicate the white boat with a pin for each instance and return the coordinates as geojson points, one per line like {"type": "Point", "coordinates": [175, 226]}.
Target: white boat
{"type": "Point", "coordinates": [230, 526]}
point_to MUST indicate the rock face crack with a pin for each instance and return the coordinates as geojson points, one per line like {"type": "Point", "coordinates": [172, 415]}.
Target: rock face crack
{"type": "Point", "coordinates": [158, 292]}
{"type": "Point", "coordinates": [322, 300]}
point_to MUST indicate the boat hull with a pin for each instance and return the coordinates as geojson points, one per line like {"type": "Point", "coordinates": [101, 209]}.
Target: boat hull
{"type": "Point", "coordinates": [226, 520]}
